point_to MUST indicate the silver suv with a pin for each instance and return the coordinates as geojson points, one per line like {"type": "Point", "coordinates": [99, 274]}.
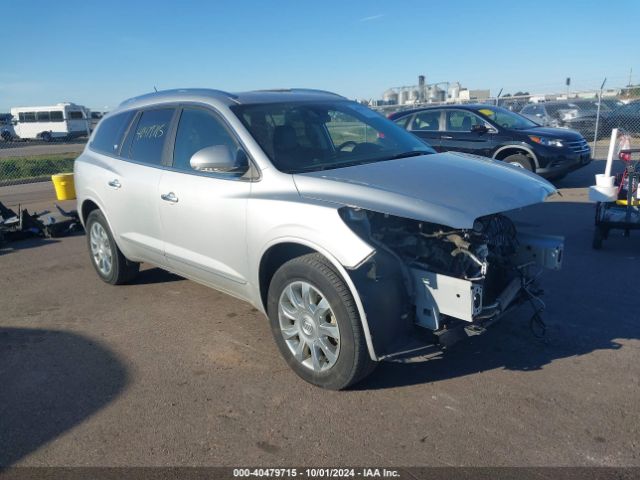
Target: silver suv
{"type": "Point", "coordinates": [348, 232]}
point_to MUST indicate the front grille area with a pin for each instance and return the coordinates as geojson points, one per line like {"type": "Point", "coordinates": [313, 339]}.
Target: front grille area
{"type": "Point", "coordinates": [579, 146]}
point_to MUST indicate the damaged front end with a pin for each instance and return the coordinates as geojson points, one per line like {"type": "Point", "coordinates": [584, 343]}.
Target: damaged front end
{"type": "Point", "coordinates": [439, 280]}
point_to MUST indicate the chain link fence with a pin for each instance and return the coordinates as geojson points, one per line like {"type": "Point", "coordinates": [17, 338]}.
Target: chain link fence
{"type": "Point", "coordinates": [36, 144]}
{"type": "Point", "coordinates": [592, 114]}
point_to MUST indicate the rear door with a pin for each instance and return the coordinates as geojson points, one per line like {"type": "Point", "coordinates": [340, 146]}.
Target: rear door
{"type": "Point", "coordinates": [132, 187]}
{"type": "Point", "coordinates": [77, 121]}
{"type": "Point", "coordinates": [459, 137]}
{"type": "Point", "coordinates": [426, 125]}
{"type": "Point", "coordinates": [204, 213]}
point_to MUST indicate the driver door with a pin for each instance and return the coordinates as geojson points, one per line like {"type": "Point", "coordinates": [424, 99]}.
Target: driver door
{"type": "Point", "coordinates": [203, 213]}
{"type": "Point", "coordinates": [459, 137]}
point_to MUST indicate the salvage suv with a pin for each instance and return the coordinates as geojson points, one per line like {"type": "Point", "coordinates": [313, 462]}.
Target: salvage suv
{"type": "Point", "coordinates": [349, 233]}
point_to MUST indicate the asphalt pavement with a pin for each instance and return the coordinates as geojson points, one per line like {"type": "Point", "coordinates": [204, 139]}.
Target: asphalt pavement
{"type": "Point", "coordinates": [168, 372]}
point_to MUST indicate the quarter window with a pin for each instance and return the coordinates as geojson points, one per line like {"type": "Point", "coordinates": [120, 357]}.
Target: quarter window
{"type": "Point", "coordinates": [199, 129]}
{"type": "Point", "coordinates": [110, 132]}
{"type": "Point", "coordinates": [148, 139]}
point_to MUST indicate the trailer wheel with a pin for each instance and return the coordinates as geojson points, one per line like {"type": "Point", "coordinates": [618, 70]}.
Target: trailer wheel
{"type": "Point", "coordinates": [598, 237]}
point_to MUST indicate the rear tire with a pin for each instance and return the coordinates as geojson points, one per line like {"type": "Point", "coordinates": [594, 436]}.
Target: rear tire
{"type": "Point", "coordinates": [46, 137]}
{"type": "Point", "coordinates": [519, 160]}
{"type": "Point", "coordinates": [341, 358]}
{"type": "Point", "coordinates": [110, 264]}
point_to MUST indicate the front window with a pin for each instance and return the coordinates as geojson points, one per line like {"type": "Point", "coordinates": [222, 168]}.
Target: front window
{"type": "Point", "coordinates": [311, 136]}
{"type": "Point", "coordinates": [506, 118]}
{"type": "Point", "coordinates": [462, 121]}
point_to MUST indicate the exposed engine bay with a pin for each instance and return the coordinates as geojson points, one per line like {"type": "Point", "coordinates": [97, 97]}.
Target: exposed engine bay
{"type": "Point", "coordinates": [473, 275]}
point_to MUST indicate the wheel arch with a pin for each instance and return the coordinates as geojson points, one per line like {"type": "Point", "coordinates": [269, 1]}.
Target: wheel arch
{"type": "Point", "coordinates": [276, 254]}
{"type": "Point", "coordinates": [87, 207]}
{"type": "Point", "coordinates": [506, 150]}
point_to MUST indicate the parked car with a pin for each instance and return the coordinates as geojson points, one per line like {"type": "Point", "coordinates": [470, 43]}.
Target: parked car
{"type": "Point", "coordinates": [625, 117]}
{"type": "Point", "coordinates": [579, 114]}
{"type": "Point", "coordinates": [6, 127]}
{"type": "Point", "coordinates": [94, 118]}
{"type": "Point", "coordinates": [497, 133]}
{"type": "Point", "coordinates": [356, 240]}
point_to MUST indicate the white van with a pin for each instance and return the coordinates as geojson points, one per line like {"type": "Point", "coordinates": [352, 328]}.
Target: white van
{"type": "Point", "coordinates": [60, 121]}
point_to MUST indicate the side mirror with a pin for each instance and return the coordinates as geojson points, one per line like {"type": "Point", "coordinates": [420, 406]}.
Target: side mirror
{"type": "Point", "coordinates": [219, 159]}
{"type": "Point", "coordinates": [480, 129]}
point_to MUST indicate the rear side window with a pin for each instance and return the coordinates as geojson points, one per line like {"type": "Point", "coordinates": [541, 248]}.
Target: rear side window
{"type": "Point", "coordinates": [148, 139]}
{"type": "Point", "coordinates": [110, 132]}
{"type": "Point", "coordinates": [43, 116]}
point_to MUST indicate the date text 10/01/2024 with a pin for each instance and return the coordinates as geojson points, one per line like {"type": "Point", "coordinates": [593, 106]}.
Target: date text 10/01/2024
{"type": "Point", "coordinates": [316, 472]}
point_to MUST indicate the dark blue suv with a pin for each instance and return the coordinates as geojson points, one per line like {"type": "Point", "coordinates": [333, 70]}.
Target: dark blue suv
{"type": "Point", "coordinates": [498, 133]}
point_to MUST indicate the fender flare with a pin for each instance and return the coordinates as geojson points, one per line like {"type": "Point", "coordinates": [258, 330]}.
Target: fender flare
{"type": "Point", "coordinates": [518, 146]}
{"type": "Point", "coordinates": [104, 212]}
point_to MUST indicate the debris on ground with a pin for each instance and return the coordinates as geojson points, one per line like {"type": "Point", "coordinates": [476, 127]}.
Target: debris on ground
{"type": "Point", "coordinates": [19, 226]}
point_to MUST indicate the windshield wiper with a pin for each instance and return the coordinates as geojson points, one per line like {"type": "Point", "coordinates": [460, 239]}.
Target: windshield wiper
{"type": "Point", "coordinates": [412, 153]}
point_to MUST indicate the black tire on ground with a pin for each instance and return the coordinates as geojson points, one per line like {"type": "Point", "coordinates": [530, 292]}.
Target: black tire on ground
{"type": "Point", "coordinates": [598, 236]}
{"type": "Point", "coordinates": [46, 136]}
{"type": "Point", "coordinates": [520, 160]}
{"type": "Point", "coordinates": [122, 269]}
{"type": "Point", "coordinates": [353, 363]}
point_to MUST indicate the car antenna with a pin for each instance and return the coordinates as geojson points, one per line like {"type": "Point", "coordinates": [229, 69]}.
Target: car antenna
{"type": "Point", "coordinates": [154, 87]}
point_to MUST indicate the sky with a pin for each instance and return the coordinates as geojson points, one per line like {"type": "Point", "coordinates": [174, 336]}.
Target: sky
{"type": "Point", "coordinates": [100, 52]}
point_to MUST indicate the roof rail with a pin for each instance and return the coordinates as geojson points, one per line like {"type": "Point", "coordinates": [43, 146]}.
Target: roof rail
{"type": "Point", "coordinates": [163, 93]}
{"type": "Point", "coordinates": [315, 90]}
{"type": "Point", "coordinates": [301, 90]}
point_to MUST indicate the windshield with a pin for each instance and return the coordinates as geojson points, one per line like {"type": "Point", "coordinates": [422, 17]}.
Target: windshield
{"type": "Point", "coordinates": [310, 136]}
{"type": "Point", "coordinates": [506, 118]}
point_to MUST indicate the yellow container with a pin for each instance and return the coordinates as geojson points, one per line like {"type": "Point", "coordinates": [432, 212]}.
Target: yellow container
{"type": "Point", "coordinates": [65, 188]}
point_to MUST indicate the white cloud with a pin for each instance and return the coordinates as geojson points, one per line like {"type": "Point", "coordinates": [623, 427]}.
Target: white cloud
{"type": "Point", "coordinates": [371, 17]}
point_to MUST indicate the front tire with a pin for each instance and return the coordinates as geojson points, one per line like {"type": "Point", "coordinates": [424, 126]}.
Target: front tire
{"type": "Point", "coordinates": [316, 324]}
{"type": "Point", "coordinates": [519, 160]}
{"type": "Point", "coordinates": [109, 262]}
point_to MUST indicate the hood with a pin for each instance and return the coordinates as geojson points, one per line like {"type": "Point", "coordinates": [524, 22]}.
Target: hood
{"type": "Point", "coordinates": [551, 132]}
{"type": "Point", "coordinates": [451, 189]}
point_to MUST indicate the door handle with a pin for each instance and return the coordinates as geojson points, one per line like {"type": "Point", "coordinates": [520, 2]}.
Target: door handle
{"type": "Point", "coordinates": [114, 183]}
{"type": "Point", "coordinates": [446, 137]}
{"type": "Point", "coordinates": [169, 197]}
